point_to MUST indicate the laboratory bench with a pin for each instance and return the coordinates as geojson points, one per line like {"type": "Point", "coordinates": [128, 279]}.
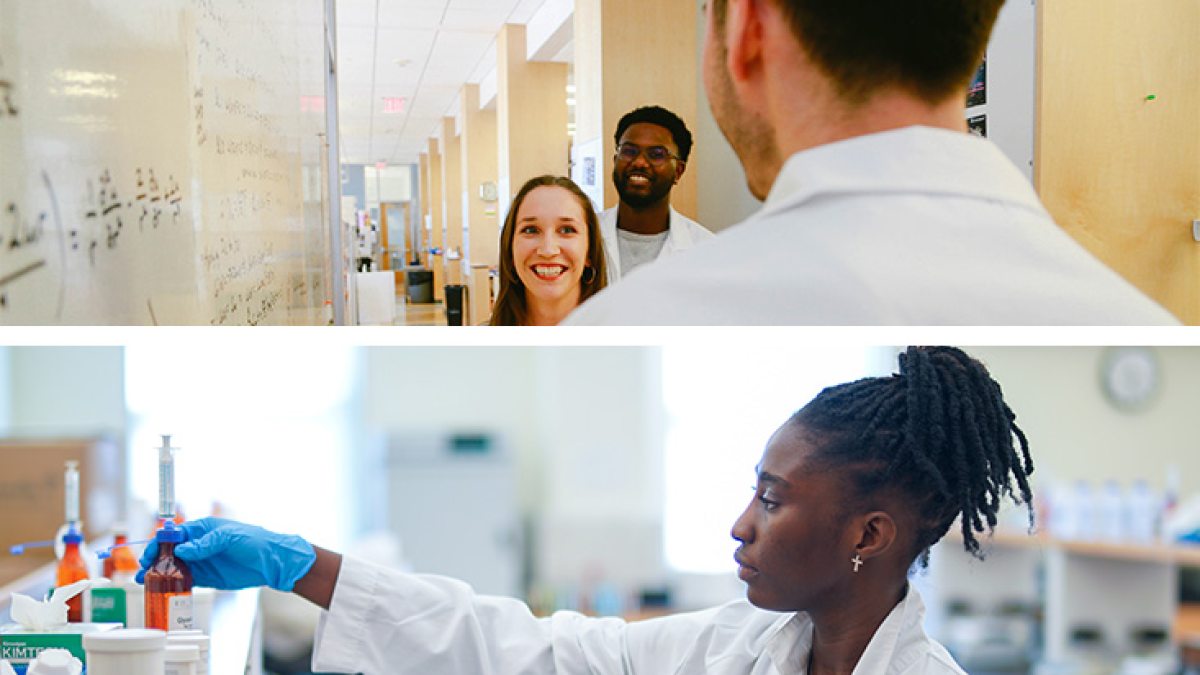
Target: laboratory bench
{"type": "Point", "coordinates": [235, 628]}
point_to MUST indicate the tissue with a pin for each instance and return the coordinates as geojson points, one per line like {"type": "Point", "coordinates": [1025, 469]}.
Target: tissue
{"type": "Point", "coordinates": [55, 662]}
{"type": "Point", "coordinates": [41, 616]}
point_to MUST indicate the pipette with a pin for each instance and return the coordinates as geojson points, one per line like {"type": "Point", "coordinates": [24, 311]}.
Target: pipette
{"type": "Point", "coordinates": [19, 549]}
{"type": "Point", "coordinates": [107, 552]}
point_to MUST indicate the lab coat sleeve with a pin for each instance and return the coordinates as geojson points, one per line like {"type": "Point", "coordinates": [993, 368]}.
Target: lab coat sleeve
{"type": "Point", "coordinates": [382, 621]}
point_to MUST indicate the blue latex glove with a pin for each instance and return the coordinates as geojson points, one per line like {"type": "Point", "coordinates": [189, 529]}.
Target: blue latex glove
{"type": "Point", "coordinates": [230, 556]}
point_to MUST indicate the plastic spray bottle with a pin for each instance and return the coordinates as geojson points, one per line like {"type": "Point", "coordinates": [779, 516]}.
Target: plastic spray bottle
{"type": "Point", "coordinates": [168, 582]}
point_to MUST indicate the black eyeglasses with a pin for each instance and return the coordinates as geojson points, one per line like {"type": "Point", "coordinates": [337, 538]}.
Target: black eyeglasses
{"type": "Point", "coordinates": [655, 154]}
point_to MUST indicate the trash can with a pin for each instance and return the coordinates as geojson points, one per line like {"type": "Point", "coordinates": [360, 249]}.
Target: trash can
{"type": "Point", "coordinates": [454, 304]}
{"type": "Point", "coordinates": [420, 285]}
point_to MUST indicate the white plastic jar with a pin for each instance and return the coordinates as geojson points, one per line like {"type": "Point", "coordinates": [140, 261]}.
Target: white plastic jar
{"type": "Point", "coordinates": [181, 659]}
{"type": "Point", "coordinates": [55, 662]}
{"type": "Point", "coordinates": [197, 639]}
{"type": "Point", "coordinates": [135, 606]}
{"type": "Point", "coordinates": [125, 651]}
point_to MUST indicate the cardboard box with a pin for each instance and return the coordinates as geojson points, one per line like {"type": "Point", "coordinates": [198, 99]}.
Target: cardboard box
{"type": "Point", "coordinates": [33, 495]}
{"type": "Point", "coordinates": [19, 646]}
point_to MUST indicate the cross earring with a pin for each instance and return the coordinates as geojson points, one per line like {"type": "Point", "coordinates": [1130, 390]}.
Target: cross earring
{"type": "Point", "coordinates": [857, 562]}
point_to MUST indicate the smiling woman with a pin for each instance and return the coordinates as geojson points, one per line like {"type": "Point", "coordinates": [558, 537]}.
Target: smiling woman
{"type": "Point", "coordinates": [551, 255]}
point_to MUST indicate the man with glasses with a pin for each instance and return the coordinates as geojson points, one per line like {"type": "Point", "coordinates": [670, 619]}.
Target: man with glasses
{"type": "Point", "coordinates": [653, 145]}
{"type": "Point", "coordinates": [880, 209]}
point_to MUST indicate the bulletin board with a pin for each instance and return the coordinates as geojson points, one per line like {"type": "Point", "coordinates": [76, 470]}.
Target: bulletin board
{"type": "Point", "coordinates": [162, 162]}
{"type": "Point", "coordinates": [1001, 99]}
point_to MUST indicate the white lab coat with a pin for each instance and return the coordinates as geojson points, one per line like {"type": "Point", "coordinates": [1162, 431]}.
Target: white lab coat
{"type": "Point", "coordinates": [384, 622]}
{"type": "Point", "coordinates": [366, 240]}
{"type": "Point", "coordinates": [915, 226]}
{"type": "Point", "coordinates": [682, 234]}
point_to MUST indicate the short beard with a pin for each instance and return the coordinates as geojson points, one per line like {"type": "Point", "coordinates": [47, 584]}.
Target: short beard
{"type": "Point", "coordinates": [750, 136]}
{"type": "Point", "coordinates": [639, 202]}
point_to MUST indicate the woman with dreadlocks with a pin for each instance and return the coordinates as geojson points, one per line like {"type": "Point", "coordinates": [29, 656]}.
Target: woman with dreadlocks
{"type": "Point", "coordinates": [852, 490]}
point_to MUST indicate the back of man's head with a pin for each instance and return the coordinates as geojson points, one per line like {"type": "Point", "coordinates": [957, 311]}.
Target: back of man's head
{"type": "Point", "coordinates": [929, 48]}
{"type": "Point", "coordinates": [662, 117]}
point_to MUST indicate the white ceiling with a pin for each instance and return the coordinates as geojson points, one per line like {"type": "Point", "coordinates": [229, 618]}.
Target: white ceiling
{"type": "Point", "coordinates": [420, 50]}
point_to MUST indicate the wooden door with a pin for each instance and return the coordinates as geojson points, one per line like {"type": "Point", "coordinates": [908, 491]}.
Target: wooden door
{"type": "Point", "coordinates": [1118, 137]}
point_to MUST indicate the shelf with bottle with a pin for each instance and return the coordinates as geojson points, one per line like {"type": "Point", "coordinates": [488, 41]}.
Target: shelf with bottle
{"type": "Point", "coordinates": [1182, 554]}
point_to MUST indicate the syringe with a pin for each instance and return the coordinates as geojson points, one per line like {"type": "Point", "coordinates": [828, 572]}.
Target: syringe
{"type": "Point", "coordinates": [166, 480]}
{"type": "Point", "coordinates": [72, 526]}
{"type": "Point", "coordinates": [72, 494]}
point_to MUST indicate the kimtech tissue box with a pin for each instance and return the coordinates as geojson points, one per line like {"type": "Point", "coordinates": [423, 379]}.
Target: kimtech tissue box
{"type": "Point", "coordinates": [19, 645]}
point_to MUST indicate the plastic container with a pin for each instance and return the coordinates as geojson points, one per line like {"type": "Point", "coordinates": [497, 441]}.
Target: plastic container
{"type": "Point", "coordinates": [196, 639]}
{"type": "Point", "coordinates": [125, 651]}
{"type": "Point", "coordinates": [1144, 506]}
{"type": "Point", "coordinates": [1111, 514]}
{"type": "Point", "coordinates": [168, 583]}
{"type": "Point", "coordinates": [55, 662]}
{"type": "Point", "coordinates": [181, 659]}
{"type": "Point", "coordinates": [202, 607]}
{"type": "Point", "coordinates": [135, 605]}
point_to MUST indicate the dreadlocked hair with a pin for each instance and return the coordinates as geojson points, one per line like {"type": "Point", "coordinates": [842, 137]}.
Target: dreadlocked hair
{"type": "Point", "coordinates": [939, 431]}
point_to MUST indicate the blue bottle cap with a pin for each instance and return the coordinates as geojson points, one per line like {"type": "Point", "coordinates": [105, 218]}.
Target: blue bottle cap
{"type": "Point", "coordinates": [171, 534]}
{"type": "Point", "coordinates": [72, 537]}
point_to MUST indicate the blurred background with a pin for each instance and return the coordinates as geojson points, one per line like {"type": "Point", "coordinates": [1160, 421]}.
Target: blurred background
{"type": "Point", "coordinates": [606, 480]}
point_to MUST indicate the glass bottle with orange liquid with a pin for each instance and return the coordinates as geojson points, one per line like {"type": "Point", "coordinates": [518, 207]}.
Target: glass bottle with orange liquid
{"type": "Point", "coordinates": [71, 568]}
{"type": "Point", "coordinates": [168, 584]}
{"type": "Point", "coordinates": [121, 565]}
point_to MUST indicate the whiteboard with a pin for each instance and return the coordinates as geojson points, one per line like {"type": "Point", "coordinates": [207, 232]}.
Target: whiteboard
{"type": "Point", "coordinates": [162, 162]}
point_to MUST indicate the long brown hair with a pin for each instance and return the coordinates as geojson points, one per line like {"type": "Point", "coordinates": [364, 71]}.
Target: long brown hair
{"type": "Point", "coordinates": [510, 308]}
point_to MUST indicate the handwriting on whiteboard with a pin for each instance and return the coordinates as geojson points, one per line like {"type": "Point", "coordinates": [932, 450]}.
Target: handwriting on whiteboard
{"type": "Point", "coordinates": [8, 102]}
{"type": "Point", "coordinates": [243, 281]}
{"type": "Point", "coordinates": [107, 214]}
{"type": "Point", "coordinates": [23, 233]}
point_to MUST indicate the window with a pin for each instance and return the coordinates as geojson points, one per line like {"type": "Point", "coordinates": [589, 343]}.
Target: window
{"type": "Point", "coordinates": [721, 412]}
{"type": "Point", "coordinates": [264, 432]}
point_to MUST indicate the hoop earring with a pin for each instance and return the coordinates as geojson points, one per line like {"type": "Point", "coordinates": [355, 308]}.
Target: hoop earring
{"type": "Point", "coordinates": [589, 275]}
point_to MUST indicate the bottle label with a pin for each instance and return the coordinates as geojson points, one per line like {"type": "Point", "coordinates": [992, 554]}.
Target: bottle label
{"type": "Point", "coordinates": [179, 611]}
{"type": "Point", "coordinates": [108, 605]}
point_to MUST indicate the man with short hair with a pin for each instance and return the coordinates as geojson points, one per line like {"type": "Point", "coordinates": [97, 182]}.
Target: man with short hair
{"type": "Point", "coordinates": [653, 146]}
{"type": "Point", "coordinates": [849, 120]}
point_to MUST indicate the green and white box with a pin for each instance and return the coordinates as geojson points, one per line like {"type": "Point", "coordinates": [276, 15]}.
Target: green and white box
{"type": "Point", "coordinates": [19, 646]}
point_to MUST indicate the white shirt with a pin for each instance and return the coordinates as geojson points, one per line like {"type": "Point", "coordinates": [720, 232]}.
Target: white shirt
{"type": "Point", "coordinates": [384, 622]}
{"type": "Point", "coordinates": [915, 226]}
{"type": "Point", "coordinates": [682, 234]}
{"type": "Point", "coordinates": [635, 250]}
